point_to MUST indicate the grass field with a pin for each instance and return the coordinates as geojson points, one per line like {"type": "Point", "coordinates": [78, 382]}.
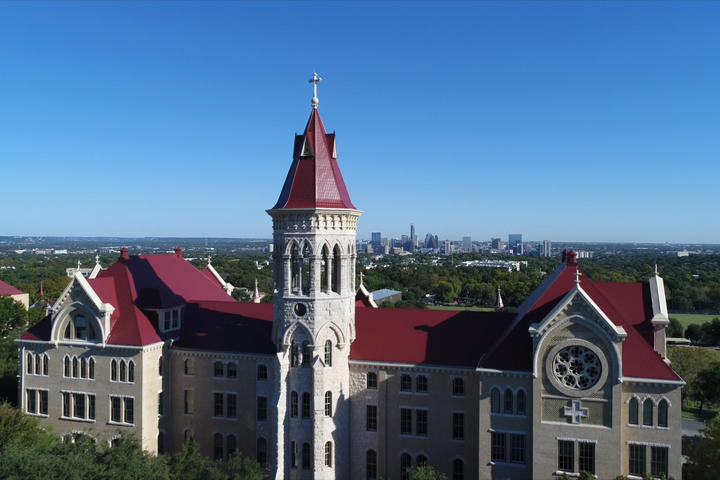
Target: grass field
{"type": "Point", "coordinates": [689, 318]}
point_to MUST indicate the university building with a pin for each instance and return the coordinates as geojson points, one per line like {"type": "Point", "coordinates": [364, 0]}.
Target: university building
{"type": "Point", "coordinates": [322, 384]}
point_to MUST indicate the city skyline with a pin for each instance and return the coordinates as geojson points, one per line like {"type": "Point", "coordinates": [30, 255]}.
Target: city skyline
{"type": "Point", "coordinates": [175, 119]}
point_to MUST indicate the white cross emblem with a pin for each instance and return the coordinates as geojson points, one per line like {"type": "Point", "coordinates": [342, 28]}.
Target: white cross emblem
{"type": "Point", "coordinates": [575, 412]}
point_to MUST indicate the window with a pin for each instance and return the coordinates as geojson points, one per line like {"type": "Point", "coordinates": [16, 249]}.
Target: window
{"type": "Point", "coordinates": [129, 409]}
{"type": "Point", "coordinates": [335, 276]}
{"type": "Point", "coordinates": [231, 405]}
{"type": "Point", "coordinates": [65, 404]}
{"type": "Point", "coordinates": [189, 402]}
{"type": "Point", "coordinates": [458, 470]}
{"type": "Point", "coordinates": [421, 422]}
{"type": "Point", "coordinates": [586, 460]}
{"type": "Point", "coordinates": [262, 372]}
{"type": "Point", "coordinates": [406, 383]}
{"type": "Point", "coordinates": [405, 420]}
{"type": "Point", "coordinates": [78, 405]}
{"type": "Point", "coordinates": [218, 446]}
{"type": "Point", "coordinates": [421, 384]}
{"type": "Point", "coordinates": [458, 426]}
{"type": "Point", "coordinates": [31, 406]}
{"type": "Point", "coordinates": [293, 404]}
{"type": "Point", "coordinates": [219, 404]}
{"type": "Point", "coordinates": [458, 386]}
{"type": "Point", "coordinates": [75, 367]}
{"type": "Point", "coordinates": [371, 464]}
{"type": "Point", "coordinates": [78, 328]}
{"type": "Point", "coordinates": [659, 461]}
{"type": "Point", "coordinates": [261, 452]}
{"type": "Point", "coordinates": [231, 445]}
{"type": "Point", "coordinates": [405, 464]}
{"type": "Point", "coordinates": [44, 402]}
{"type": "Point", "coordinates": [218, 369]}
{"type": "Point", "coordinates": [495, 400]}
{"type": "Point", "coordinates": [508, 401]}
{"type": "Point", "coordinates": [189, 366]}
{"type": "Point", "coordinates": [45, 365]}
{"type": "Point", "coordinates": [66, 367]}
{"type": "Point", "coordinates": [520, 403]}
{"type": "Point", "coordinates": [633, 411]}
{"type": "Point", "coordinates": [306, 456]}
{"type": "Point", "coordinates": [371, 418]}
{"type": "Point", "coordinates": [637, 459]}
{"type": "Point", "coordinates": [29, 362]}
{"type": "Point", "coordinates": [231, 370]}
{"type": "Point", "coordinates": [421, 461]}
{"type": "Point", "coordinates": [115, 409]}
{"type": "Point", "coordinates": [294, 354]}
{"type": "Point", "coordinates": [497, 446]}
{"type": "Point", "coordinates": [328, 454]}
{"type": "Point", "coordinates": [648, 412]}
{"type": "Point", "coordinates": [38, 364]}
{"type": "Point", "coordinates": [328, 353]}
{"type": "Point", "coordinates": [131, 372]}
{"type": "Point", "coordinates": [307, 354]}
{"type": "Point", "coordinates": [113, 369]}
{"type": "Point", "coordinates": [663, 414]}
{"type": "Point", "coordinates": [306, 405]}
{"type": "Point", "coordinates": [91, 407]}
{"type": "Point", "coordinates": [123, 370]}
{"type": "Point", "coordinates": [293, 454]}
{"type": "Point", "coordinates": [91, 367]}
{"type": "Point", "coordinates": [262, 408]}
{"type": "Point", "coordinates": [166, 320]}
{"type": "Point", "coordinates": [160, 403]}
{"type": "Point", "coordinates": [328, 404]}
{"type": "Point", "coordinates": [175, 319]}
{"type": "Point", "coordinates": [371, 380]}
{"type": "Point", "coordinates": [566, 455]}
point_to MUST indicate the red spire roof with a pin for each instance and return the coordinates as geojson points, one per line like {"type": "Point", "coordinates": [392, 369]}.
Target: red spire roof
{"type": "Point", "coordinates": [314, 179]}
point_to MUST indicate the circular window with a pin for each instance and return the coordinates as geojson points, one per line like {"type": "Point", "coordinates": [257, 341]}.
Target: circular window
{"type": "Point", "coordinates": [300, 309]}
{"type": "Point", "coordinates": [577, 367]}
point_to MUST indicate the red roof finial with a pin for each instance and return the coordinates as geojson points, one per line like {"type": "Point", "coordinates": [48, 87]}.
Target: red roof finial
{"type": "Point", "coordinates": [178, 251]}
{"type": "Point", "coordinates": [124, 254]}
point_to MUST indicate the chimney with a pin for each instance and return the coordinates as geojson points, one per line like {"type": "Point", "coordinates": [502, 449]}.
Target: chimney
{"type": "Point", "coordinates": [178, 252]}
{"type": "Point", "coordinates": [124, 255]}
{"type": "Point", "coordinates": [569, 257]}
{"type": "Point", "coordinates": [660, 319]}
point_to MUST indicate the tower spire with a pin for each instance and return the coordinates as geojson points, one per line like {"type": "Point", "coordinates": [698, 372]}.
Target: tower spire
{"type": "Point", "coordinates": [315, 80]}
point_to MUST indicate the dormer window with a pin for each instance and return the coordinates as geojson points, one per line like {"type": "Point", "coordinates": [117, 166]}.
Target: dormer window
{"type": "Point", "coordinates": [79, 328]}
{"type": "Point", "coordinates": [170, 320]}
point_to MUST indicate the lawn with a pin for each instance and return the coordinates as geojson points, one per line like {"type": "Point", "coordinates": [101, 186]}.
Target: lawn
{"type": "Point", "coordinates": [689, 318]}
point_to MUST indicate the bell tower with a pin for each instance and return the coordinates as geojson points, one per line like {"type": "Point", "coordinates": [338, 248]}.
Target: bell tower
{"type": "Point", "coordinates": [314, 230]}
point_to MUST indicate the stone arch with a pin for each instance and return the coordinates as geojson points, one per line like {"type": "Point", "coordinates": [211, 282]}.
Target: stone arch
{"type": "Point", "coordinates": [336, 331]}
{"type": "Point", "coordinates": [290, 332]}
{"type": "Point", "coordinates": [66, 314]}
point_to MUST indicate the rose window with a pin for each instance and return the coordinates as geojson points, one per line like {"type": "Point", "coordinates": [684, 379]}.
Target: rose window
{"type": "Point", "coordinates": [577, 368]}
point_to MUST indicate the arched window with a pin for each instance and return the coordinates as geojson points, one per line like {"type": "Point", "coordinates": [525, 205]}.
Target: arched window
{"type": "Point", "coordinates": [421, 461]}
{"type": "Point", "coordinates": [406, 383]}
{"type": "Point", "coordinates": [458, 470]}
{"type": "Point", "coordinates": [328, 353]}
{"type": "Point", "coordinates": [328, 404]}
{"type": "Point", "coordinates": [262, 372]}
{"type": "Point", "coordinates": [38, 364]}
{"type": "Point", "coordinates": [161, 442]}
{"type": "Point", "coordinates": [91, 368]}
{"type": "Point", "coordinates": [306, 456]}
{"type": "Point", "coordinates": [421, 384]}
{"type": "Point", "coordinates": [371, 380]}
{"type": "Point", "coordinates": [189, 366]}
{"type": "Point", "coordinates": [458, 386]}
{"type": "Point", "coordinates": [218, 446]}
{"type": "Point", "coordinates": [371, 464]}
{"type": "Point", "coordinates": [328, 454]}
{"type": "Point", "coordinates": [307, 353]}
{"type": "Point", "coordinates": [495, 400]}
{"type": "Point", "coordinates": [66, 367]}
{"type": "Point", "coordinates": [83, 368]}
{"type": "Point", "coordinates": [294, 354]}
{"type": "Point", "coordinates": [305, 269]}
{"type": "Point", "coordinates": [123, 371]}
{"type": "Point", "coordinates": [261, 452]}
{"type": "Point", "coordinates": [405, 465]}
{"type": "Point", "coordinates": [113, 370]}
{"type": "Point", "coordinates": [81, 327]}
{"type": "Point", "coordinates": [218, 369]}
{"type": "Point", "coordinates": [508, 401]}
{"type": "Point", "coordinates": [293, 404]}
{"type": "Point", "coordinates": [231, 370]}
{"type": "Point", "coordinates": [295, 267]}
{"type": "Point", "coordinates": [68, 331]}
{"type": "Point", "coordinates": [633, 411]}
{"type": "Point", "coordinates": [45, 365]}
{"type": "Point", "coordinates": [29, 362]}
{"type": "Point", "coordinates": [520, 403]}
{"type": "Point", "coordinates": [75, 367]}
{"type": "Point", "coordinates": [306, 405]}
{"type": "Point", "coordinates": [336, 263]}
{"type": "Point", "coordinates": [324, 269]}
{"type": "Point", "coordinates": [647, 412]}
{"type": "Point", "coordinates": [663, 413]}
{"type": "Point", "coordinates": [231, 445]}
{"type": "Point", "coordinates": [131, 372]}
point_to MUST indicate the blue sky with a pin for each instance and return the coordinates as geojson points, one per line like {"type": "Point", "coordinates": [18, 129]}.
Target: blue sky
{"type": "Point", "coordinates": [574, 121]}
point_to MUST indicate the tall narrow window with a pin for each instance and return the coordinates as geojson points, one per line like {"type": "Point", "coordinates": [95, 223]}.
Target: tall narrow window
{"type": "Point", "coordinates": [175, 319]}
{"type": "Point", "coordinates": [328, 454]}
{"type": "Point", "coordinates": [123, 370]}
{"type": "Point", "coordinates": [371, 464]}
{"type": "Point", "coordinates": [231, 370]}
{"type": "Point", "coordinates": [293, 404]}
{"type": "Point", "coordinates": [421, 422]}
{"type": "Point", "coordinates": [633, 411]}
{"type": "Point", "coordinates": [495, 400]}
{"type": "Point", "coordinates": [231, 445]}
{"type": "Point", "coordinates": [306, 353]}
{"type": "Point", "coordinates": [189, 402]}
{"type": "Point", "coordinates": [566, 455]}
{"type": "Point", "coordinates": [328, 353]}
{"type": "Point", "coordinates": [295, 267]}
{"type": "Point", "coordinates": [520, 403]}
{"type": "Point", "coordinates": [189, 366]}
{"type": "Point", "coordinates": [637, 460]}
{"type": "Point", "coordinates": [218, 446]}
{"type": "Point", "coordinates": [129, 410]}
{"type": "Point", "coordinates": [65, 404]}
{"type": "Point", "coordinates": [517, 448]}
{"type": "Point", "coordinates": [458, 470]}
{"type": "Point", "coordinates": [508, 401]}
{"type": "Point", "coordinates": [218, 402]}
{"type": "Point", "coordinates": [328, 404]}
{"type": "Point", "coordinates": [166, 320]}
{"type": "Point", "coordinates": [91, 407]}
{"type": "Point", "coordinates": [421, 384]}
{"type": "Point", "coordinates": [38, 364]}
{"type": "Point", "coordinates": [405, 465]}
{"type": "Point", "coordinates": [294, 354]}
{"type": "Point", "coordinates": [663, 414]}
{"type": "Point", "coordinates": [261, 452]}
{"type": "Point", "coordinates": [78, 405]}
{"type": "Point", "coordinates": [31, 399]}
{"type": "Point", "coordinates": [458, 386]}
{"type": "Point", "coordinates": [91, 368]}
{"type": "Point", "coordinates": [497, 446]}
{"type": "Point", "coordinates": [458, 426]}
{"type": "Point", "coordinates": [218, 369]}
{"type": "Point", "coordinates": [262, 408]}
{"type": "Point", "coordinates": [405, 421]}
{"type": "Point", "coordinates": [406, 383]}
{"type": "Point", "coordinates": [647, 412]}
{"type": "Point", "coordinates": [324, 270]}
{"type": "Point", "coordinates": [306, 269]}
{"type": "Point", "coordinates": [45, 365]}
{"type": "Point", "coordinates": [44, 402]}
{"type": "Point", "coordinates": [306, 405]}
{"type": "Point", "coordinates": [83, 368]}
{"type": "Point", "coordinates": [115, 409]}
{"type": "Point", "coordinates": [371, 380]}
{"type": "Point", "coordinates": [66, 367]}
{"type": "Point", "coordinates": [336, 262]}
{"type": "Point", "coordinates": [231, 405]}
{"type": "Point", "coordinates": [371, 418]}
{"type": "Point", "coordinates": [29, 362]}
{"type": "Point", "coordinates": [306, 456]}
{"type": "Point", "coordinates": [586, 457]}
{"type": "Point", "coordinates": [75, 367]}
{"type": "Point", "coordinates": [81, 332]}
{"type": "Point", "coordinates": [659, 461]}
{"type": "Point", "coordinates": [262, 372]}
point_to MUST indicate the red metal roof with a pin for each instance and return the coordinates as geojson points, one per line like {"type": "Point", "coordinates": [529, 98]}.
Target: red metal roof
{"type": "Point", "coordinates": [7, 289]}
{"type": "Point", "coordinates": [314, 179]}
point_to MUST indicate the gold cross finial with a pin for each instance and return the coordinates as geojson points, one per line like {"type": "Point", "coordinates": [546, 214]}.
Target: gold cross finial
{"type": "Point", "coordinates": [315, 80]}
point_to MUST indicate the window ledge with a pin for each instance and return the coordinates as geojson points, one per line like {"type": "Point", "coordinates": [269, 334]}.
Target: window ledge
{"type": "Point", "coordinates": [42, 415]}
{"type": "Point", "coordinates": [120, 424]}
{"type": "Point", "coordinates": [503, 463]}
{"type": "Point", "coordinates": [76, 419]}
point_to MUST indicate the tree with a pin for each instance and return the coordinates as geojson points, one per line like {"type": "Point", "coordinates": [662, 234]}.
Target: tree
{"type": "Point", "coordinates": [13, 316]}
{"type": "Point", "coordinates": [425, 472]}
{"type": "Point", "coordinates": [694, 333]}
{"type": "Point", "coordinates": [711, 332]}
{"type": "Point", "coordinates": [190, 464]}
{"type": "Point", "coordinates": [688, 362]}
{"type": "Point", "coordinates": [703, 461]}
{"type": "Point", "coordinates": [675, 329]}
{"type": "Point", "coordinates": [706, 385]}
{"type": "Point", "coordinates": [243, 468]}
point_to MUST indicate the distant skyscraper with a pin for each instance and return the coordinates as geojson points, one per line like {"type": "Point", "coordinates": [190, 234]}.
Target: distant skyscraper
{"type": "Point", "coordinates": [448, 247]}
{"type": "Point", "coordinates": [547, 248]}
{"type": "Point", "coordinates": [467, 244]}
{"type": "Point", "coordinates": [515, 243]}
{"type": "Point", "coordinates": [413, 238]}
{"type": "Point", "coordinates": [375, 238]}
{"type": "Point", "coordinates": [496, 244]}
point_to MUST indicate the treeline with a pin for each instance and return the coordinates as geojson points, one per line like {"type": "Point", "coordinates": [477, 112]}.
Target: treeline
{"type": "Point", "coordinates": [29, 452]}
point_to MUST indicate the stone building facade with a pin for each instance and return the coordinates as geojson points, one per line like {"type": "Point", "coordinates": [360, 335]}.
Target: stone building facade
{"type": "Point", "coordinates": [322, 384]}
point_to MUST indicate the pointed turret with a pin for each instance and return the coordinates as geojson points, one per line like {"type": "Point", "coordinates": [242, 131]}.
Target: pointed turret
{"type": "Point", "coordinates": [499, 302]}
{"type": "Point", "coordinates": [256, 294]}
